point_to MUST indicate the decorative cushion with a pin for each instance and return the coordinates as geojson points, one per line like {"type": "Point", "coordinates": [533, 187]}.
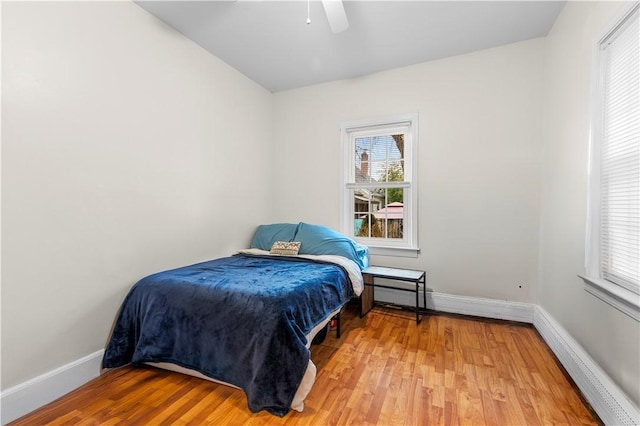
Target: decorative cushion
{"type": "Point", "coordinates": [288, 248]}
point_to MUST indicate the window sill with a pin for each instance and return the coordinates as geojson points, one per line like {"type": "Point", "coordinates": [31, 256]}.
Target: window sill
{"type": "Point", "coordinates": [394, 251]}
{"type": "Point", "coordinates": [616, 296]}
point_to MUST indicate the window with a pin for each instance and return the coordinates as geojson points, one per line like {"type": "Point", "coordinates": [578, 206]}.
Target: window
{"type": "Point", "coordinates": [613, 233]}
{"type": "Point", "coordinates": [379, 185]}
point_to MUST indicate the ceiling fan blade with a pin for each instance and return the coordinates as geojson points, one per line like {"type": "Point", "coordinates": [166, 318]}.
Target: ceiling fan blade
{"type": "Point", "coordinates": [336, 15]}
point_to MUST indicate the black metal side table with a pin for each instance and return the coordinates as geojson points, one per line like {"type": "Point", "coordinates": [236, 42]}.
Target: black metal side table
{"type": "Point", "coordinates": [397, 274]}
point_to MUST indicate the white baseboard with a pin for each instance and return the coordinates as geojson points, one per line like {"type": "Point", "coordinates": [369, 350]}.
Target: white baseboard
{"type": "Point", "coordinates": [22, 399]}
{"type": "Point", "coordinates": [605, 397]}
{"type": "Point", "coordinates": [479, 307]}
{"type": "Point", "coordinates": [476, 306]}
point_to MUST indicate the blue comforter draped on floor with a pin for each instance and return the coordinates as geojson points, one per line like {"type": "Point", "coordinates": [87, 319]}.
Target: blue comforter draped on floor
{"type": "Point", "coordinates": [241, 319]}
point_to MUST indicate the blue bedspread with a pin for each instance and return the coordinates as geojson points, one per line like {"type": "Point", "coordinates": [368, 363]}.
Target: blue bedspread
{"type": "Point", "coordinates": [241, 319]}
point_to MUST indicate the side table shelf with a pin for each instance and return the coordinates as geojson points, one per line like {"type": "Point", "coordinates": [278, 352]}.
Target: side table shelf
{"type": "Point", "coordinates": [419, 278]}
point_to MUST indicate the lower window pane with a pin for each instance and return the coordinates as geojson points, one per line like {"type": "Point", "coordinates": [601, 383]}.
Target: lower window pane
{"type": "Point", "coordinates": [379, 213]}
{"type": "Point", "coordinates": [361, 225]}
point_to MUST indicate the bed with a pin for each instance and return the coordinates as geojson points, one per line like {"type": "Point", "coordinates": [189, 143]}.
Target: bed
{"type": "Point", "coordinates": [245, 320]}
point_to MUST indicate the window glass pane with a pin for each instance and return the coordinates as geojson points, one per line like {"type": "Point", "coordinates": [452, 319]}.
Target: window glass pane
{"type": "Point", "coordinates": [379, 158]}
{"type": "Point", "coordinates": [361, 226]}
{"type": "Point", "coordinates": [379, 213]}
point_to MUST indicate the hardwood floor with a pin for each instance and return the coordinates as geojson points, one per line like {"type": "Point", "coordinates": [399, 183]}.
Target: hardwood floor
{"type": "Point", "coordinates": [384, 370]}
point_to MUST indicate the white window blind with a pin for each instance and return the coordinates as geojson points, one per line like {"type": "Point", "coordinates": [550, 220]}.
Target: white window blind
{"type": "Point", "coordinates": [620, 156]}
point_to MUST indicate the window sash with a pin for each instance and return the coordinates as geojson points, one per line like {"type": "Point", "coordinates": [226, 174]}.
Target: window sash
{"type": "Point", "coordinates": [374, 185]}
{"type": "Point", "coordinates": [407, 126]}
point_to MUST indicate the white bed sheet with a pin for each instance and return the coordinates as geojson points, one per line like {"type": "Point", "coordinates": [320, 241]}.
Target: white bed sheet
{"type": "Point", "coordinates": [352, 268]}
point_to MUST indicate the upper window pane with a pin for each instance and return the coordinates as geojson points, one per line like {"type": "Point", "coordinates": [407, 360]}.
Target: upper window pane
{"type": "Point", "coordinates": [379, 158]}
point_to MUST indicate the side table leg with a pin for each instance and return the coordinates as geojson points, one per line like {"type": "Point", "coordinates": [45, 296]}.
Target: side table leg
{"type": "Point", "coordinates": [424, 294]}
{"type": "Point", "coordinates": [417, 302]}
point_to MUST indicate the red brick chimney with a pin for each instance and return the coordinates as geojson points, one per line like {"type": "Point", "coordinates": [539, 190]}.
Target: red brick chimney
{"type": "Point", "coordinates": [364, 164]}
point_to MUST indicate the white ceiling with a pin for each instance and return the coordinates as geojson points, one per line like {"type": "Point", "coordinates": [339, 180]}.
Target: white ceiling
{"type": "Point", "coordinates": [270, 42]}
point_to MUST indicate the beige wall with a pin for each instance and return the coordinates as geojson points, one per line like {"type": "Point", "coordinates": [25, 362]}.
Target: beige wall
{"type": "Point", "coordinates": [609, 336]}
{"type": "Point", "coordinates": [121, 141]}
{"type": "Point", "coordinates": [479, 162]}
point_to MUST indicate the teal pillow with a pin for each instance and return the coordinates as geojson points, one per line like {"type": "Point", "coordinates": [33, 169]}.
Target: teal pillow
{"type": "Point", "coordinates": [266, 235]}
{"type": "Point", "coordinates": [318, 240]}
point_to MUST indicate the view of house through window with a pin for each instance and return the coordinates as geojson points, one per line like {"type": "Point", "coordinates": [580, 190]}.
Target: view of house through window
{"type": "Point", "coordinates": [379, 212]}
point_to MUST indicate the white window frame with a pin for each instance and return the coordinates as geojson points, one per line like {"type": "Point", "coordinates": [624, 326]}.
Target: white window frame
{"type": "Point", "coordinates": [619, 295]}
{"type": "Point", "coordinates": [408, 246]}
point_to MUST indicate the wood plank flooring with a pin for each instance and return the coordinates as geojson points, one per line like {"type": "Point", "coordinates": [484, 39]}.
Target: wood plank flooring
{"type": "Point", "coordinates": [385, 370]}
